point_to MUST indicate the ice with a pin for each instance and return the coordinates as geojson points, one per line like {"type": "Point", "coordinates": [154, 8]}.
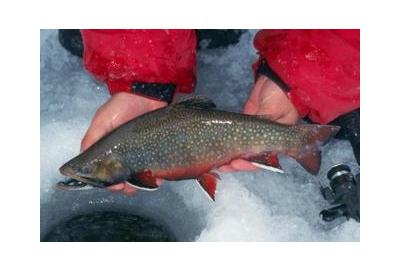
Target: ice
{"type": "Point", "coordinates": [250, 206]}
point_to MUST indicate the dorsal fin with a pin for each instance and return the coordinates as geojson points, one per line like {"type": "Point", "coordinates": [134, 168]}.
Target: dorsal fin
{"type": "Point", "coordinates": [196, 102]}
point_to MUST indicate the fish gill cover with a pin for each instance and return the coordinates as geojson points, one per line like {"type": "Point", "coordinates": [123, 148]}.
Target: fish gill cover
{"type": "Point", "coordinates": [251, 206]}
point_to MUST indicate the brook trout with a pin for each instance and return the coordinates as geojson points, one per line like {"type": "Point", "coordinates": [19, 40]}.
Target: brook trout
{"type": "Point", "coordinates": [188, 140]}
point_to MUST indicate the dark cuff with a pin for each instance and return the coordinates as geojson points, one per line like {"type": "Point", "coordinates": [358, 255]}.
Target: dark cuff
{"type": "Point", "coordinates": [266, 70]}
{"type": "Point", "coordinates": [160, 91]}
{"type": "Point", "coordinates": [350, 130]}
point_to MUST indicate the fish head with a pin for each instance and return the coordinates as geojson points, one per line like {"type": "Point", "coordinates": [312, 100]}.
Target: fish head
{"type": "Point", "coordinates": [97, 171]}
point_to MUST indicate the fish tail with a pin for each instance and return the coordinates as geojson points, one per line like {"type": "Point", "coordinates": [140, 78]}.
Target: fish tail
{"type": "Point", "coordinates": [314, 136]}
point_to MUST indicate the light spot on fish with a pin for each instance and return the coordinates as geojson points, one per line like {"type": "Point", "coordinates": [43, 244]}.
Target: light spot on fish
{"type": "Point", "coordinates": [210, 122]}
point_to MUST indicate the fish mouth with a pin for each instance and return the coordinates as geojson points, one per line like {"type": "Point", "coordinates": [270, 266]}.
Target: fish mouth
{"type": "Point", "coordinates": [72, 184]}
{"type": "Point", "coordinates": [69, 172]}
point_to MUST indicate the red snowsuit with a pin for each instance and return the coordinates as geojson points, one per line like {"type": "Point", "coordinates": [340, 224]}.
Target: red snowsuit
{"type": "Point", "coordinates": [321, 67]}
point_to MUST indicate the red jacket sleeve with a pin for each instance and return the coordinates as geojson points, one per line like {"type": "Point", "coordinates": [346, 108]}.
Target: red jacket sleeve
{"type": "Point", "coordinates": [321, 68]}
{"type": "Point", "coordinates": [122, 57]}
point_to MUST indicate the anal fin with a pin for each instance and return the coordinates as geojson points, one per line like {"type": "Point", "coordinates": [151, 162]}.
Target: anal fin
{"type": "Point", "coordinates": [208, 181]}
{"type": "Point", "coordinates": [268, 161]}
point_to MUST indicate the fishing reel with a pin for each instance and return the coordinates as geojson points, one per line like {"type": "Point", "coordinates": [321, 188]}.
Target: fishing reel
{"type": "Point", "coordinates": [343, 192]}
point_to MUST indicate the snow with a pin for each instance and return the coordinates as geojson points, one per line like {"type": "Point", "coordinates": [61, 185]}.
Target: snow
{"type": "Point", "coordinates": [250, 206]}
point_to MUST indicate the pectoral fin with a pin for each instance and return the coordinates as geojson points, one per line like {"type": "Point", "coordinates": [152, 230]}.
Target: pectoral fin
{"type": "Point", "coordinates": [208, 182]}
{"type": "Point", "coordinates": [143, 180]}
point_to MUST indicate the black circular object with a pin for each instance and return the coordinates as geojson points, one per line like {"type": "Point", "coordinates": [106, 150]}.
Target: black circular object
{"type": "Point", "coordinates": [108, 227]}
{"type": "Point", "coordinates": [338, 168]}
{"type": "Point", "coordinates": [71, 40]}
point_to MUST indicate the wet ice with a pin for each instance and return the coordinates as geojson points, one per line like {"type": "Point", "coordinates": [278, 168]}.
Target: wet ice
{"type": "Point", "coordinates": [256, 206]}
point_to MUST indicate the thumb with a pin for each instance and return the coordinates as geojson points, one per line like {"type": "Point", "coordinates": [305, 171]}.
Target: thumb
{"type": "Point", "coordinates": [95, 132]}
{"type": "Point", "coordinates": [88, 140]}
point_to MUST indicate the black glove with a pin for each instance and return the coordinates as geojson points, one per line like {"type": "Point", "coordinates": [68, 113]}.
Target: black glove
{"type": "Point", "coordinates": [160, 91]}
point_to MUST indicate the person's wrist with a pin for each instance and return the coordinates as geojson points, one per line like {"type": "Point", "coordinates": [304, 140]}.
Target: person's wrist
{"type": "Point", "coordinates": [265, 70]}
{"type": "Point", "coordinates": [155, 104]}
{"type": "Point", "coordinates": [138, 99]}
{"type": "Point", "coordinates": [261, 79]}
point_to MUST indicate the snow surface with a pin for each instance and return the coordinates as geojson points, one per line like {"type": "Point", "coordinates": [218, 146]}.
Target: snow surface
{"type": "Point", "coordinates": [250, 206]}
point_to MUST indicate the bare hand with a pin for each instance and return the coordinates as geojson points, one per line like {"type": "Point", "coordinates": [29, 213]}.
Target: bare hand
{"type": "Point", "coordinates": [268, 100]}
{"type": "Point", "coordinates": [119, 109]}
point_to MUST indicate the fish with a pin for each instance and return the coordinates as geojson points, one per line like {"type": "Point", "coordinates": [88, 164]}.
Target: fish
{"type": "Point", "coordinates": [191, 139]}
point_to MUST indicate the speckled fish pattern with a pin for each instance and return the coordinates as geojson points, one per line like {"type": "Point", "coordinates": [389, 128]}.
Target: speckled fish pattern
{"type": "Point", "coordinates": [189, 138]}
